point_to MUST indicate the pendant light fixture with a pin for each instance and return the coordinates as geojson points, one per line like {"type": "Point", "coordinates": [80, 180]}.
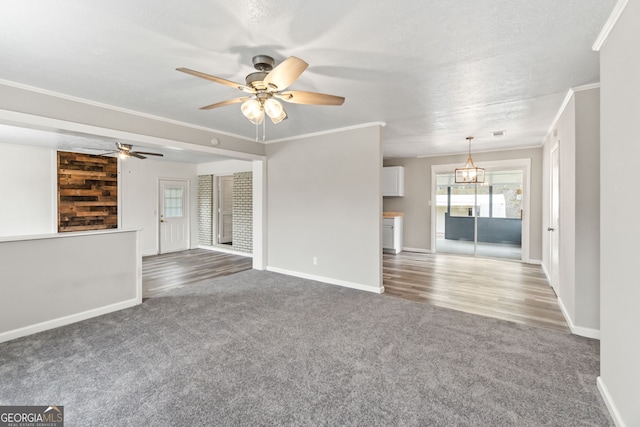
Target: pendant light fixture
{"type": "Point", "coordinates": [469, 174]}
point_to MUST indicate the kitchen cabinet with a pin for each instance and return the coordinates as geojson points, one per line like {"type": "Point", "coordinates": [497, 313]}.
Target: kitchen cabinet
{"type": "Point", "coordinates": [393, 181]}
{"type": "Point", "coordinates": [392, 234]}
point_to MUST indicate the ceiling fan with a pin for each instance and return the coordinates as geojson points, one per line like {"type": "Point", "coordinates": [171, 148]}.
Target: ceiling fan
{"type": "Point", "coordinates": [266, 87]}
{"type": "Point", "coordinates": [124, 151]}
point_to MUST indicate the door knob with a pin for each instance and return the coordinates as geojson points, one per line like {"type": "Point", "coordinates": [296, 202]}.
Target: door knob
{"type": "Point", "coordinates": [551, 229]}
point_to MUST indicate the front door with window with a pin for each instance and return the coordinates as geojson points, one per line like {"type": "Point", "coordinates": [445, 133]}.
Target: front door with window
{"type": "Point", "coordinates": [174, 216]}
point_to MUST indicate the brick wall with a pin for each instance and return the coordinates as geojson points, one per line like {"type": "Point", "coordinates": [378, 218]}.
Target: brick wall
{"type": "Point", "coordinates": [205, 210]}
{"type": "Point", "coordinates": [243, 211]}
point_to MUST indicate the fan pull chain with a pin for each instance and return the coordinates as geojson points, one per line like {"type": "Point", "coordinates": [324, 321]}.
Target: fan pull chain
{"type": "Point", "coordinates": [264, 130]}
{"type": "Point", "coordinates": [257, 139]}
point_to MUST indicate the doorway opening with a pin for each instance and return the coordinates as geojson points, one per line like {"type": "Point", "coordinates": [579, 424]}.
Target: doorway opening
{"type": "Point", "coordinates": [225, 212]}
{"type": "Point", "coordinates": [485, 220]}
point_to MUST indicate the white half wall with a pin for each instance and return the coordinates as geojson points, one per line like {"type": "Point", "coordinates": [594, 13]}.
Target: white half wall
{"type": "Point", "coordinates": [619, 380]}
{"type": "Point", "coordinates": [139, 196]}
{"type": "Point", "coordinates": [57, 279]}
{"type": "Point", "coordinates": [29, 195]}
{"type": "Point", "coordinates": [324, 208]}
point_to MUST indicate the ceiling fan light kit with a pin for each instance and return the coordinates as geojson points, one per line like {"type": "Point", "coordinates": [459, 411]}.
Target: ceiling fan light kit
{"type": "Point", "coordinates": [266, 87]}
{"type": "Point", "coordinates": [470, 173]}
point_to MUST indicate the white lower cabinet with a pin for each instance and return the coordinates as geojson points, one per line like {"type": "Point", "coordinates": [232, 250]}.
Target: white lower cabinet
{"type": "Point", "coordinates": [392, 234]}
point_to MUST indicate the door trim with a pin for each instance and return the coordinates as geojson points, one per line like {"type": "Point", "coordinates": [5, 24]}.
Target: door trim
{"type": "Point", "coordinates": [187, 209]}
{"type": "Point", "coordinates": [555, 284]}
{"type": "Point", "coordinates": [218, 207]}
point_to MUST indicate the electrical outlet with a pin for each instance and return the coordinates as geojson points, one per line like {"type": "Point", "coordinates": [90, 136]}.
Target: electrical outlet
{"type": "Point", "coordinates": [315, 260]}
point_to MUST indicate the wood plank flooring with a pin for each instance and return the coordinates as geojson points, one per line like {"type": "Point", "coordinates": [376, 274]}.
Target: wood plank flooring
{"type": "Point", "coordinates": [166, 271]}
{"type": "Point", "coordinates": [502, 289]}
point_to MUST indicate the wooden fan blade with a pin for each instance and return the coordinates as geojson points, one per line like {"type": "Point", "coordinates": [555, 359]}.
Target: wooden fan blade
{"type": "Point", "coordinates": [135, 154]}
{"type": "Point", "coordinates": [313, 98]}
{"type": "Point", "coordinates": [227, 102]}
{"type": "Point", "coordinates": [286, 73]}
{"type": "Point", "coordinates": [216, 79]}
{"type": "Point", "coordinates": [148, 154]}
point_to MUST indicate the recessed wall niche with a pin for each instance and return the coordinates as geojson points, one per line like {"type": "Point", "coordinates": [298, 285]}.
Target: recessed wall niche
{"type": "Point", "coordinates": [87, 192]}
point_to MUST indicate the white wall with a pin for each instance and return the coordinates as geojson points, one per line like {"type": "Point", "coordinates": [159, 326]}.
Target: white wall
{"type": "Point", "coordinates": [619, 379]}
{"type": "Point", "coordinates": [324, 201]}
{"type": "Point", "coordinates": [225, 167]}
{"type": "Point", "coordinates": [28, 194]}
{"type": "Point", "coordinates": [417, 195]}
{"type": "Point", "coordinates": [577, 134]}
{"type": "Point", "coordinates": [33, 177]}
{"type": "Point", "coordinates": [140, 198]}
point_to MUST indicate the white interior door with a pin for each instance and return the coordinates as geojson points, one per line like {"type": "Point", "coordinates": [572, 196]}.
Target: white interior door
{"type": "Point", "coordinates": [554, 231]}
{"type": "Point", "coordinates": [174, 216]}
{"type": "Point", "coordinates": [225, 209]}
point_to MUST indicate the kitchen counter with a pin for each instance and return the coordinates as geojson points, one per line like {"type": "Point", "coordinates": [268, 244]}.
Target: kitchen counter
{"type": "Point", "coordinates": [392, 214]}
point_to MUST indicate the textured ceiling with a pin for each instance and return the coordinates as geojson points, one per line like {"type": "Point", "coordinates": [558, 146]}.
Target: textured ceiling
{"type": "Point", "coordinates": [434, 71]}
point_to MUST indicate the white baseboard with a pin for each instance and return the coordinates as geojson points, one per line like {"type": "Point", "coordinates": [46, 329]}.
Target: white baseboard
{"type": "Point", "coordinates": [546, 274]}
{"type": "Point", "coordinates": [418, 250]}
{"type": "Point", "coordinates": [578, 330]}
{"type": "Point", "coordinates": [532, 261]}
{"type": "Point", "coordinates": [72, 318]}
{"type": "Point", "coordinates": [343, 283]}
{"type": "Point", "coordinates": [225, 250]}
{"type": "Point", "coordinates": [611, 406]}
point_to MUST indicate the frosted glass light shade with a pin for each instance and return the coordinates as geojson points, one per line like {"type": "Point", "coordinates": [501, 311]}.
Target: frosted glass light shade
{"type": "Point", "coordinates": [273, 108]}
{"type": "Point", "coordinates": [253, 111]}
{"type": "Point", "coordinates": [281, 117]}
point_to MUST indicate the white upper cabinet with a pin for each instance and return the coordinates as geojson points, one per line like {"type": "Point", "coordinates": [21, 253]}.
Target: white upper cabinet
{"type": "Point", "coordinates": [393, 181]}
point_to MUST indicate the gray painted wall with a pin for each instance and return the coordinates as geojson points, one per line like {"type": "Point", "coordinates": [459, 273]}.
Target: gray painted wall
{"type": "Point", "coordinates": [587, 199]}
{"type": "Point", "coordinates": [75, 276]}
{"type": "Point", "coordinates": [577, 134]}
{"type": "Point", "coordinates": [417, 195]}
{"type": "Point", "coordinates": [620, 204]}
{"type": "Point", "coordinates": [324, 201]}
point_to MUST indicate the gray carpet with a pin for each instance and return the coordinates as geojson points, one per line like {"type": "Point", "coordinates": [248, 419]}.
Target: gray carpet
{"type": "Point", "coordinates": [259, 348]}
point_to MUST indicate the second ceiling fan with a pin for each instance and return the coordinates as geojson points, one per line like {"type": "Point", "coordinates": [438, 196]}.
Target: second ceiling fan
{"type": "Point", "coordinates": [266, 88]}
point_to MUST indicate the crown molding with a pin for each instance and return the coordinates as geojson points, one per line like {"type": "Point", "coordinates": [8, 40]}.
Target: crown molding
{"type": "Point", "coordinates": [325, 132]}
{"type": "Point", "coordinates": [497, 150]}
{"type": "Point", "coordinates": [572, 91]}
{"type": "Point", "coordinates": [608, 26]}
{"type": "Point", "coordinates": [586, 87]}
{"type": "Point", "coordinates": [118, 109]}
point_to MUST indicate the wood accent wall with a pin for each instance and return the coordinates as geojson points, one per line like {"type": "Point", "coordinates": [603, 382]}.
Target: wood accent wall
{"type": "Point", "coordinates": [87, 192]}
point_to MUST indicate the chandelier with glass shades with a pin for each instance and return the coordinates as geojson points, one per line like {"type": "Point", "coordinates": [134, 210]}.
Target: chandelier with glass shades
{"type": "Point", "coordinates": [470, 173]}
